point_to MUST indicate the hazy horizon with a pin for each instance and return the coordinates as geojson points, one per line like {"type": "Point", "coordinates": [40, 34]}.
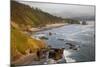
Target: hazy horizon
{"type": "Point", "coordinates": [64, 10]}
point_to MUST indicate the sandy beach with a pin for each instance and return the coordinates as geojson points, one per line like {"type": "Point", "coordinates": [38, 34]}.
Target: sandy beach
{"type": "Point", "coordinates": [48, 26]}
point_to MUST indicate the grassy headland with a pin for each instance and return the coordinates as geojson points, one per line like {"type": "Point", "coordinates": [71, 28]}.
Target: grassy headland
{"type": "Point", "coordinates": [23, 18]}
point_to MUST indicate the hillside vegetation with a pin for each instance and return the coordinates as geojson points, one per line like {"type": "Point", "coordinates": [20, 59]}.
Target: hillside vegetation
{"type": "Point", "coordinates": [27, 16]}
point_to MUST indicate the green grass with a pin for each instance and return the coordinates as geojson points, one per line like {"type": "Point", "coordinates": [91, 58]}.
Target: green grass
{"type": "Point", "coordinates": [21, 42]}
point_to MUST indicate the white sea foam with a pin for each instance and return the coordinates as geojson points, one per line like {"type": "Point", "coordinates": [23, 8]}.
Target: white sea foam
{"type": "Point", "coordinates": [66, 55]}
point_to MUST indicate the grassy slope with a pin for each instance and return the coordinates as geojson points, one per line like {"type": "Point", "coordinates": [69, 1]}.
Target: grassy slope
{"type": "Point", "coordinates": [21, 42]}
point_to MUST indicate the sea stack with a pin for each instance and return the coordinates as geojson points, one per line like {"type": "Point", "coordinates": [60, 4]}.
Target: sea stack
{"type": "Point", "coordinates": [83, 22]}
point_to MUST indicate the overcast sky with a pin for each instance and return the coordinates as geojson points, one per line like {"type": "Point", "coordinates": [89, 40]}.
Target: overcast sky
{"type": "Point", "coordinates": [64, 10]}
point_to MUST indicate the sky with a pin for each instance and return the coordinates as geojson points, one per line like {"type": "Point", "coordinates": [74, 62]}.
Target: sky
{"type": "Point", "coordinates": [64, 10]}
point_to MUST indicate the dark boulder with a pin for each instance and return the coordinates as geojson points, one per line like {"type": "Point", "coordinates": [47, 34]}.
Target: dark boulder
{"type": "Point", "coordinates": [56, 53]}
{"type": "Point", "coordinates": [84, 23]}
{"type": "Point", "coordinates": [50, 33]}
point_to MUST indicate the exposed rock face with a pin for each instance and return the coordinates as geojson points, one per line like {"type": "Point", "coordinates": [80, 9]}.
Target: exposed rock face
{"type": "Point", "coordinates": [41, 53]}
{"type": "Point", "coordinates": [55, 53]}
{"type": "Point", "coordinates": [50, 33]}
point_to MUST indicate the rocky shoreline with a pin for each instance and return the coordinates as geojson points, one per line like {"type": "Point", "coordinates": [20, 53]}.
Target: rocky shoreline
{"type": "Point", "coordinates": [44, 56]}
{"type": "Point", "coordinates": [48, 55]}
